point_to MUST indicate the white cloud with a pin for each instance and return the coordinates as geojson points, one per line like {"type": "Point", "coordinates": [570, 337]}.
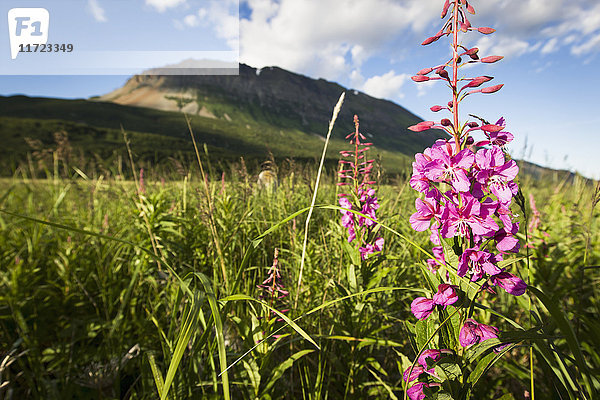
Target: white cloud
{"type": "Point", "coordinates": [327, 38]}
{"type": "Point", "coordinates": [163, 5]}
{"type": "Point", "coordinates": [334, 39]}
{"type": "Point", "coordinates": [386, 86]}
{"type": "Point", "coordinates": [503, 46]}
{"type": "Point", "coordinates": [222, 16]}
{"type": "Point", "coordinates": [96, 10]}
{"type": "Point", "coordinates": [191, 20]}
{"type": "Point", "coordinates": [550, 47]}
{"type": "Point", "coordinates": [424, 87]}
{"type": "Point", "coordinates": [591, 45]}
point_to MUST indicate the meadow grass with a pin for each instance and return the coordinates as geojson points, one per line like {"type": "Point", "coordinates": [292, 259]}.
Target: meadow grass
{"type": "Point", "coordinates": [109, 292]}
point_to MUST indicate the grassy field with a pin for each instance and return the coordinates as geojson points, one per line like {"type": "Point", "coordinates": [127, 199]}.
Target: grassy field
{"type": "Point", "coordinates": [119, 289]}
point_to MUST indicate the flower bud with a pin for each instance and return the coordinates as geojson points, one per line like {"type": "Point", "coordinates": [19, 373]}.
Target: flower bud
{"type": "Point", "coordinates": [424, 71]}
{"type": "Point", "coordinates": [442, 72]}
{"type": "Point", "coordinates": [436, 108]}
{"type": "Point", "coordinates": [445, 9]}
{"type": "Point", "coordinates": [475, 82]}
{"type": "Point", "coordinates": [430, 40]}
{"type": "Point", "coordinates": [421, 126]}
{"type": "Point", "coordinates": [470, 9]}
{"type": "Point", "coordinates": [473, 53]}
{"type": "Point", "coordinates": [472, 124]}
{"type": "Point", "coordinates": [420, 78]}
{"type": "Point", "coordinates": [491, 89]}
{"type": "Point", "coordinates": [491, 59]}
{"type": "Point", "coordinates": [445, 122]}
{"type": "Point", "coordinates": [491, 128]}
{"type": "Point", "coordinates": [470, 140]}
{"type": "Point", "coordinates": [486, 30]}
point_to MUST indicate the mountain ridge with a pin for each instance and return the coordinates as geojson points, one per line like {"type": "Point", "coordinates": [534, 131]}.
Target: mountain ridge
{"type": "Point", "coordinates": [279, 97]}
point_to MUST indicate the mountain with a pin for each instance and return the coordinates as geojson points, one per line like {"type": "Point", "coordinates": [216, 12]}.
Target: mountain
{"type": "Point", "coordinates": [279, 98]}
{"type": "Point", "coordinates": [253, 114]}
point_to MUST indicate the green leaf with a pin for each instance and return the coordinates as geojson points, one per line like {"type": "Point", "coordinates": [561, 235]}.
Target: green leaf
{"type": "Point", "coordinates": [253, 374]}
{"type": "Point", "coordinates": [214, 307]}
{"type": "Point", "coordinates": [485, 363]}
{"type": "Point", "coordinates": [281, 368]}
{"type": "Point", "coordinates": [351, 274]}
{"type": "Point", "coordinates": [188, 327]}
{"type": "Point", "coordinates": [444, 396]}
{"type": "Point", "coordinates": [565, 327]}
{"type": "Point", "coordinates": [448, 371]}
{"type": "Point", "coordinates": [158, 378]}
{"type": "Point", "coordinates": [285, 318]}
{"type": "Point", "coordinates": [424, 330]}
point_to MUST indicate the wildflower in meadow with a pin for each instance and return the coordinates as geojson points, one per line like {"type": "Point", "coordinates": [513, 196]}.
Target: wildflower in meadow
{"type": "Point", "coordinates": [466, 190]}
{"type": "Point", "coordinates": [354, 172]}
{"type": "Point", "coordinates": [272, 287]}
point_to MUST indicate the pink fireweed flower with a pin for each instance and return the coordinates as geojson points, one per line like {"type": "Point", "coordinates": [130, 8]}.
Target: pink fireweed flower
{"type": "Point", "coordinates": [416, 392]}
{"type": "Point", "coordinates": [509, 282]}
{"type": "Point", "coordinates": [369, 206]}
{"type": "Point", "coordinates": [426, 210]}
{"type": "Point", "coordinates": [431, 354]}
{"type": "Point", "coordinates": [473, 332]}
{"type": "Point", "coordinates": [446, 295]}
{"type": "Point", "coordinates": [457, 219]}
{"type": "Point", "coordinates": [417, 370]}
{"type": "Point", "coordinates": [478, 263]}
{"type": "Point", "coordinates": [273, 285]}
{"type": "Point", "coordinates": [439, 259]}
{"type": "Point", "coordinates": [446, 167]}
{"type": "Point", "coordinates": [354, 173]}
{"type": "Point", "coordinates": [496, 138]}
{"type": "Point", "coordinates": [347, 218]}
{"type": "Point", "coordinates": [535, 218]}
{"type": "Point", "coordinates": [495, 175]}
{"type": "Point", "coordinates": [506, 241]}
{"type": "Point", "coordinates": [369, 248]}
{"type": "Point", "coordinates": [422, 307]}
{"type": "Point", "coordinates": [418, 180]}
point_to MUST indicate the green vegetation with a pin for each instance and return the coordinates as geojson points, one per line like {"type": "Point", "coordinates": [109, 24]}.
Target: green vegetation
{"type": "Point", "coordinates": [109, 289]}
{"type": "Point", "coordinates": [94, 135]}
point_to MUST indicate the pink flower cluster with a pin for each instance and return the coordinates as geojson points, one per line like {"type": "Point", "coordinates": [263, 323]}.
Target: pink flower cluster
{"type": "Point", "coordinates": [355, 172]}
{"type": "Point", "coordinates": [412, 373]}
{"type": "Point", "coordinates": [273, 287]}
{"type": "Point", "coordinates": [467, 188]}
{"type": "Point", "coordinates": [475, 205]}
{"type": "Point", "coordinates": [446, 295]}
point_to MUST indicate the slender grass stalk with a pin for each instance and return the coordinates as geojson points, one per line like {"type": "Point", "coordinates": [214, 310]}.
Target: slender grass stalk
{"type": "Point", "coordinates": [336, 111]}
{"type": "Point", "coordinates": [211, 219]}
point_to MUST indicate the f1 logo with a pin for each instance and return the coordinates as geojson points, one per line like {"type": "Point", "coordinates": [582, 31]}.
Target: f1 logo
{"type": "Point", "coordinates": [27, 26]}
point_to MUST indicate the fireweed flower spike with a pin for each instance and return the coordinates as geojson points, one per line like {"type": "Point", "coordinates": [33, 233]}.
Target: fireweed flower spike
{"type": "Point", "coordinates": [272, 288]}
{"type": "Point", "coordinates": [466, 184]}
{"type": "Point", "coordinates": [354, 172]}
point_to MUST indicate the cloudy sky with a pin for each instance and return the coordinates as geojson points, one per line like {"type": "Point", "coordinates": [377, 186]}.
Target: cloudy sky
{"type": "Point", "coordinates": [551, 50]}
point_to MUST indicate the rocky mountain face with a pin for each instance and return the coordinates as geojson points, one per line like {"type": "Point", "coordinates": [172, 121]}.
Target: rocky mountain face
{"type": "Point", "coordinates": [279, 98]}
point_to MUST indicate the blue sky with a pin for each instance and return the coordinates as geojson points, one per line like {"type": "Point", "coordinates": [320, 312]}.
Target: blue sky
{"type": "Point", "coordinates": [551, 49]}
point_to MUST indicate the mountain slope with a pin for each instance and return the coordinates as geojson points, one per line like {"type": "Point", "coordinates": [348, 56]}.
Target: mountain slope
{"type": "Point", "coordinates": [279, 98]}
{"type": "Point", "coordinates": [252, 114]}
